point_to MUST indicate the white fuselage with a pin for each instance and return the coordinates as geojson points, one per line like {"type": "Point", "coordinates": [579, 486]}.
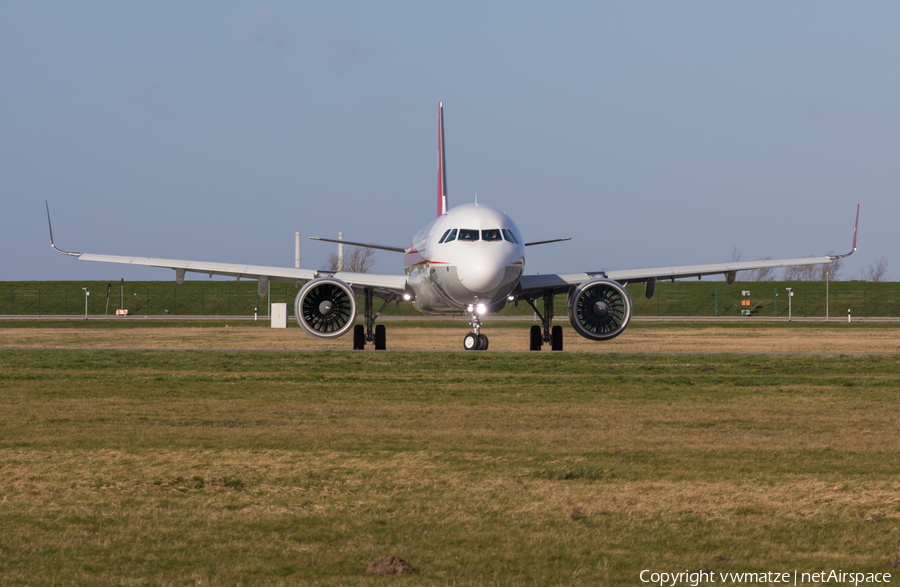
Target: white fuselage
{"type": "Point", "coordinates": [471, 255]}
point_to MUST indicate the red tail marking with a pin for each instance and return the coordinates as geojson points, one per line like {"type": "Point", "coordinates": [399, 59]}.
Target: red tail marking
{"type": "Point", "coordinates": [442, 178]}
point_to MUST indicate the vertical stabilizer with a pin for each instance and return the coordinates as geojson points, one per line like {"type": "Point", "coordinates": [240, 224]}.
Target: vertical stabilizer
{"type": "Point", "coordinates": [442, 167]}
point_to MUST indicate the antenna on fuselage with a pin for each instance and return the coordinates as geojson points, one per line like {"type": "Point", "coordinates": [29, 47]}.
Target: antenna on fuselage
{"type": "Point", "coordinates": [476, 198]}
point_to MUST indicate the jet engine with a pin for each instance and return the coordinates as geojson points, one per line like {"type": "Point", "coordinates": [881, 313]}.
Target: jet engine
{"type": "Point", "coordinates": [599, 309]}
{"type": "Point", "coordinates": [325, 308]}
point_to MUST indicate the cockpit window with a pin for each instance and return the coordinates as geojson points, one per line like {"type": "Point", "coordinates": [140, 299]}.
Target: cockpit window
{"type": "Point", "coordinates": [443, 238]}
{"type": "Point", "coordinates": [508, 235]}
{"type": "Point", "coordinates": [490, 235]}
{"type": "Point", "coordinates": [450, 235]}
{"type": "Point", "coordinates": [468, 234]}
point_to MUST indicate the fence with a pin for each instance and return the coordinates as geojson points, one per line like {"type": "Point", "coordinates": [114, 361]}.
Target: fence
{"type": "Point", "coordinates": [215, 302]}
{"type": "Point", "coordinates": [767, 301]}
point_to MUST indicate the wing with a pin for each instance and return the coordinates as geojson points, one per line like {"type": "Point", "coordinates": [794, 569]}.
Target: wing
{"type": "Point", "coordinates": [561, 282]}
{"type": "Point", "coordinates": [532, 285]}
{"type": "Point", "coordinates": [382, 284]}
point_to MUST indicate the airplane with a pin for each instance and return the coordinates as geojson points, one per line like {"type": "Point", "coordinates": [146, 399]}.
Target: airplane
{"type": "Point", "coordinates": [469, 260]}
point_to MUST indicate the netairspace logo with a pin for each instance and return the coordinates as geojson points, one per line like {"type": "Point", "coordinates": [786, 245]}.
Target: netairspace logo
{"type": "Point", "coordinates": [695, 578]}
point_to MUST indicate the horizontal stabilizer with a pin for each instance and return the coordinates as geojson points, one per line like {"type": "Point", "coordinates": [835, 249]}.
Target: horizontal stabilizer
{"type": "Point", "coordinates": [366, 245]}
{"type": "Point", "coordinates": [556, 240]}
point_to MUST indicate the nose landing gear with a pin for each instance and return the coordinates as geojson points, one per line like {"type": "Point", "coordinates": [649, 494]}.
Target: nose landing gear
{"type": "Point", "coordinates": [475, 341]}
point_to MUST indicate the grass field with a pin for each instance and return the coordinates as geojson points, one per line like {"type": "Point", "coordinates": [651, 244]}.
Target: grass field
{"type": "Point", "coordinates": [221, 468]}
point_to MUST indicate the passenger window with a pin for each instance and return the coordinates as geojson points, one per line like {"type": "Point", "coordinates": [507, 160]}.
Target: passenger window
{"type": "Point", "coordinates": [451, 236]}
{"type": "Point", "coordinates": [443, 238]}
{"type": "Point", "coordinates": [468, 234]}
{"type": "Point", "coordinates": [491, 235]}
{"type": "Point", "coordinates": [508, 235]}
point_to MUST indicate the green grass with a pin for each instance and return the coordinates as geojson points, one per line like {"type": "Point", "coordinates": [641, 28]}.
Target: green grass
{"type": "Point", "coordinates": [239, 298]}
{"type": "Point", "coordinates": [510, 469]}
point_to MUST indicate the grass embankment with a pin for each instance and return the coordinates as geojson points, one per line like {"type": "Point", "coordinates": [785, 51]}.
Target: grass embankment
{"type": "Point", "coordinates": [239, 298]}
{"type": "Point", "coordinates": [477, 468]}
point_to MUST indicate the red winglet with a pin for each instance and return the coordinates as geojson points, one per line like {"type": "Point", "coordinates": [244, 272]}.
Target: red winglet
{"type": "Point", "coordinates": [442, 169]}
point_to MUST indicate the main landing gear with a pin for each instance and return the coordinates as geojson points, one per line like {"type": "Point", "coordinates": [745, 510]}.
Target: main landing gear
{"type": "Point", "coordinates": [475, 341]}
{"type": "Point", "coordinates": [546, 333]}
{"type": "Point", "coordinates": [370, 332]}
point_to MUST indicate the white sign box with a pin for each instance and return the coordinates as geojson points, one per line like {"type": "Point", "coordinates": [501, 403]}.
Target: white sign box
{"type": "Point", "coordinates": [279, 316]}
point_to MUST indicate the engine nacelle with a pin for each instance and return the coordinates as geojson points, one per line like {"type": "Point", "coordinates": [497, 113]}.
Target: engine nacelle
{"type": "Point", "coordinates": [599, 309]}
{"type": "Point", "coordinates": [325, 308]}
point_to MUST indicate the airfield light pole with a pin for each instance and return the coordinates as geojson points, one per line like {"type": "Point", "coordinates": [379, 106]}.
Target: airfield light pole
{"type": "Point", "coordinates": [790, 295]}
{"type": "Point", "coordinates": [87, 292]}
{"type": "Point", "coordinates": [826, 296]}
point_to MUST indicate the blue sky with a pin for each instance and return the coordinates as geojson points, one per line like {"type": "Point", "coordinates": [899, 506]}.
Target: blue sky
{"type": "Point", "coordinates": [650, 133]}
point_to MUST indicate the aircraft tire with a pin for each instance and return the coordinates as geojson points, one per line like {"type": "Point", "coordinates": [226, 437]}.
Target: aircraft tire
{"type": "Point", "coordinates": [536, 339]}
{"type": "Point", "coordinates": [471, 342]}
{"type": "Point", "coordinates": [484, 342]}
{"type": "Point", "coordinates": [556, 335]}
{"type": "Point", "coordinates": [359, 337]}
{"type": "Point", "coordinates": [380, 338]}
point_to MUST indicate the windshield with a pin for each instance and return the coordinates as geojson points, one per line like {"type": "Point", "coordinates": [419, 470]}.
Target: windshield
{"type": "Point", "coordinates": [468, 234]}
{"type": "Point", "coordinates": [490, 235]}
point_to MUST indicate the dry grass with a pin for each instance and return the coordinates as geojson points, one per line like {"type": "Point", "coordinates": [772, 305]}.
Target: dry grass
{"type": "Point", "coordinates": [504, 336]}
{"type": "Point", "coordinates": [196, 468]}
{"type": "Point", "coordinates": [289, 485]}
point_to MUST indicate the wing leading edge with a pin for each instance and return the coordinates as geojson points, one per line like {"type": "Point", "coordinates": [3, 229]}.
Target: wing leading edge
{"type": "Point", "coordinates": [559, 283]}
{"type": "Point", "coordinates": [394, 284]}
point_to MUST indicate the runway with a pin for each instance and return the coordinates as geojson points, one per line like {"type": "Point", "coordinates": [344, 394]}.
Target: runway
{"type": "Point", "coordinates": [860, 338]}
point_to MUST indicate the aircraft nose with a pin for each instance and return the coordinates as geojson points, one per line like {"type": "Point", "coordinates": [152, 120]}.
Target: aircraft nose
{"type": "Point", "coordinates": [483, 276]}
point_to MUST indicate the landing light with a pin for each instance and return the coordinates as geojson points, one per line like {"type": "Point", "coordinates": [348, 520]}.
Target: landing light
{"type": "Point", "coordinates": [481, 308]}
{"type": "Point", "coordinates": [407, 297]}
